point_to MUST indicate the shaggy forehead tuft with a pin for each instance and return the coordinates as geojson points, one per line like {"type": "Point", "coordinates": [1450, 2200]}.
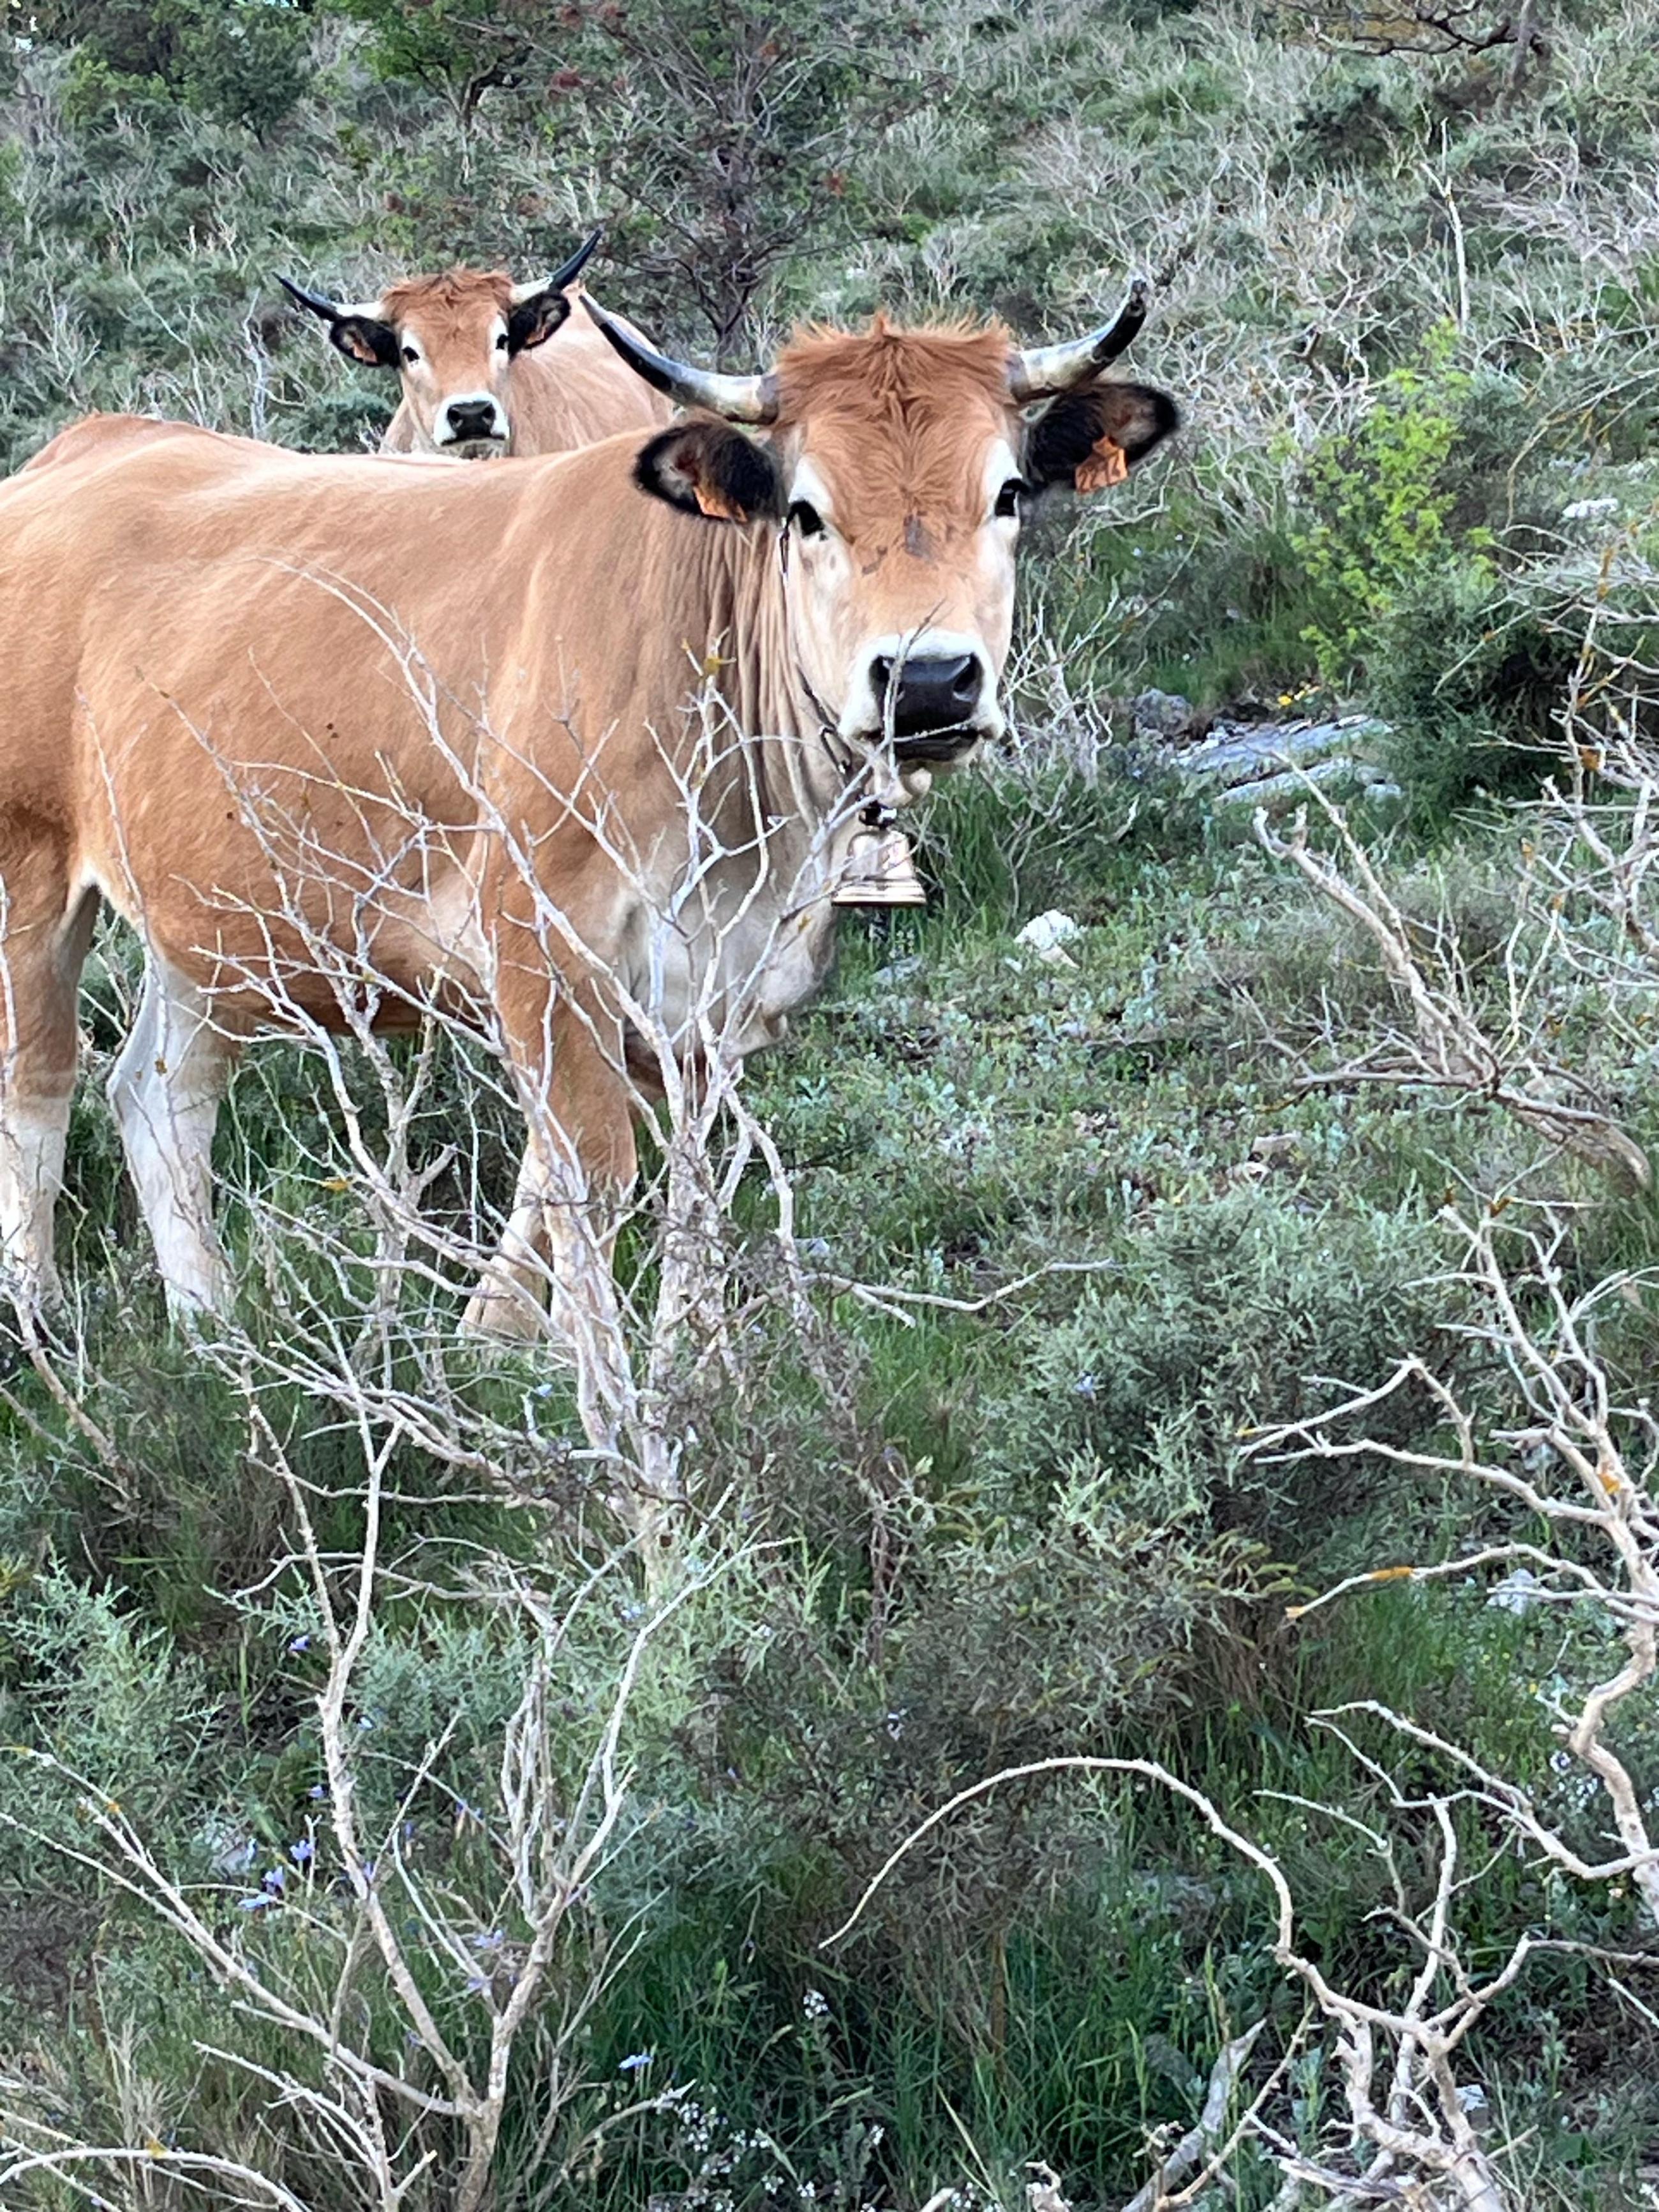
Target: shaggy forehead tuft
{"type": "Point", "coordinates": [895, 413]}
{"type": "Point", "coordinates": [889, 370]}
{"type": "Point", "coordinates": [461, 293]}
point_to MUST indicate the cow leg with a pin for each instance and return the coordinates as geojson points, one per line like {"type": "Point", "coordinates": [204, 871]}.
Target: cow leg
{"type": "Point", "coordinates": [166, 1092]}
{"type": "Point", "coordinates": [45, 930]}
{"type": "Point", "coordinates": [510, 1299]}
{"type": "Point", "coordinates": [578, 1166]}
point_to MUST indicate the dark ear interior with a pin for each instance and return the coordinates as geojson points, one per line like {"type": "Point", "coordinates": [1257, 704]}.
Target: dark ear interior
{"type": "Point", "coordinates": [1065, 443]}
{"type": "Point", "coordinates": [534, 320]}
{"type": "Point", "coordinates": [360, 337]}
{"type": "Point", "coordinates": [705, 467]}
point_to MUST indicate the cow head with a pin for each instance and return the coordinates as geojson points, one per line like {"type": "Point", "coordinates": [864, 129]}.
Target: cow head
{"type": "Point", "coordinates": [454, 340]}
{"type": "Point", "coordinates": [896, 465]}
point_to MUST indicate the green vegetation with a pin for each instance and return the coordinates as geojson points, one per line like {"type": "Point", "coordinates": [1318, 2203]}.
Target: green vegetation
{"type": "Point", "coordinates": [988, 1496]}
{"type": "Point", "coordinates": [1382, 504]}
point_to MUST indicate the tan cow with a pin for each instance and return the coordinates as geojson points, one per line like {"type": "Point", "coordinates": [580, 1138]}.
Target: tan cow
{"type": "Point", "coordinates": [344, 734]}
{"type": "Point", "coordinates": [489, 367]}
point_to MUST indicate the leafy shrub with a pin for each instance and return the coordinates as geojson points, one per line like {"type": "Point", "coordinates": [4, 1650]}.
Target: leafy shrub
{"type": "Point", "coordinates": [1381, 507]}
{"type": "Point", "coordinates": [247, 62]}
{"type": "Point", "coordinates": [469, 49]}
{"type": "Point", "coordinates": [1215, 1323]}
{"type": "Point", "coordinates": [244, 62]}
{"type": "Point", "coordinates": [1353, 117]}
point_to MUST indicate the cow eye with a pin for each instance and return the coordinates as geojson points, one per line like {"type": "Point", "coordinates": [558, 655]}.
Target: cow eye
{"type": "Point", "coordinates": [807, 519]}
{"type": "Point", "coordinates": [1008, 498]}
{"type": "Point", "coordinates": [410, 356]}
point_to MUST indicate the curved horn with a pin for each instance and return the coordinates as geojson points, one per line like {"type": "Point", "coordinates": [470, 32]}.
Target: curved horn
{"type": "Point", "coordinates": [333, 310]}
{"type": "Point", "coordinates": [567, 273]}
{"type": "Point", "coordinates": [1042, 372]}
{"type": "Point", "coordinates": [739, 399]}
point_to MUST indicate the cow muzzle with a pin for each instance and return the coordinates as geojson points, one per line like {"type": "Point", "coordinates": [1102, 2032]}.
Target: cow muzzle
{"type": "Point", "coordinates": [473, 426]}
{"type": "Point", "coordinates": [934, 697]}
{"type": "Point", "coordinates": [930, 702]}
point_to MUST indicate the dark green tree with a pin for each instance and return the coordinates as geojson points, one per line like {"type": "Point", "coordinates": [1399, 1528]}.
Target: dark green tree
{"type": "Point", "coordinates": [244, 61]}
{"type": "Point", "coordinates": [730, 138]}
{"type": "Point", "coordinates": [747, 130]}
{"type": "Point", "coordinates": [462, 48]}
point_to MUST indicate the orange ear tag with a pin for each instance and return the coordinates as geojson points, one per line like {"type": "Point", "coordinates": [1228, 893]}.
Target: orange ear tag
{"type": "Point", "coordinates": [1107, 464]}
{"type": "Point", "coordinates": [712, 502]}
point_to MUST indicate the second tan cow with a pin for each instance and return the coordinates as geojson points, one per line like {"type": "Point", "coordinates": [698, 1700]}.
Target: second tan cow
{"type": "Point", "coordinates": [488, 367]}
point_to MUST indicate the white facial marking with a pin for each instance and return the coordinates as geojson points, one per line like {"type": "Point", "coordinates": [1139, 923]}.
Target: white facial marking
{"type": "Point", "coordinates": [810, 490]}
{"type": "Point", "coordinates": [1001, 467]}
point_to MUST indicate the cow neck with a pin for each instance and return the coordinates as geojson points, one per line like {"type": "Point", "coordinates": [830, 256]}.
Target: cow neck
{"type": "Point", "coordinates": [798, 763]}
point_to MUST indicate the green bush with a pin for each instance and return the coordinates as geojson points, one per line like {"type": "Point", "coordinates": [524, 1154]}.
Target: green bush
{"type": "Point", "coordinates": [1469, 682]}
{"type": "Point", "coordinates": [1381, 506]}
{"type": "Point", "coordinates": [241, 61]}
{"type": "Point", "coordinates": [1354, 117]}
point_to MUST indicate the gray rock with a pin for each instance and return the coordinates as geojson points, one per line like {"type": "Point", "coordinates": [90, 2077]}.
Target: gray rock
{"type": "Point", "coordinates": [1245, 764]}
{"type": "Point", "coordinates": [1334, 769]}
{"type": "Point", "coordinates": [1164, 714]}
{"type": "Point", "coordinates": [900, 971]}
{"type": "Point", "coordinates": [1234, 751]}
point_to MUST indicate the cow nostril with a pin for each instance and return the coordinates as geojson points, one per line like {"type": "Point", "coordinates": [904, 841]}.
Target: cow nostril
{"type": "Point", "coordinates": [965, 681]}
{"type": "Point", "coordinates": [930, 701]}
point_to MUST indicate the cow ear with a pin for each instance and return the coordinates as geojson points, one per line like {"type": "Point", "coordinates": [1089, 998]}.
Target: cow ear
{"type": "Point", "coordinates": [706, 467]}
{"type": "Point", "coordinates": [363, 338]}
{"type": "Point", "coordinates": [534, 320]}
{"type": "Point", "coordinates": [1090, 439]}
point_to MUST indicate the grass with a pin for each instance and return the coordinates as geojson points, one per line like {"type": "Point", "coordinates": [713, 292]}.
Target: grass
{"type": "Point", "coordinates": [1087, 1557]}
{"type": "Point", "coordinates": [1090, 1558]}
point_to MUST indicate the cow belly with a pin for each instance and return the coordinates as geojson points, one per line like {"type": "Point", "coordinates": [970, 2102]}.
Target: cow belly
{"type": "Point", "coordinates": [383, 967]}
